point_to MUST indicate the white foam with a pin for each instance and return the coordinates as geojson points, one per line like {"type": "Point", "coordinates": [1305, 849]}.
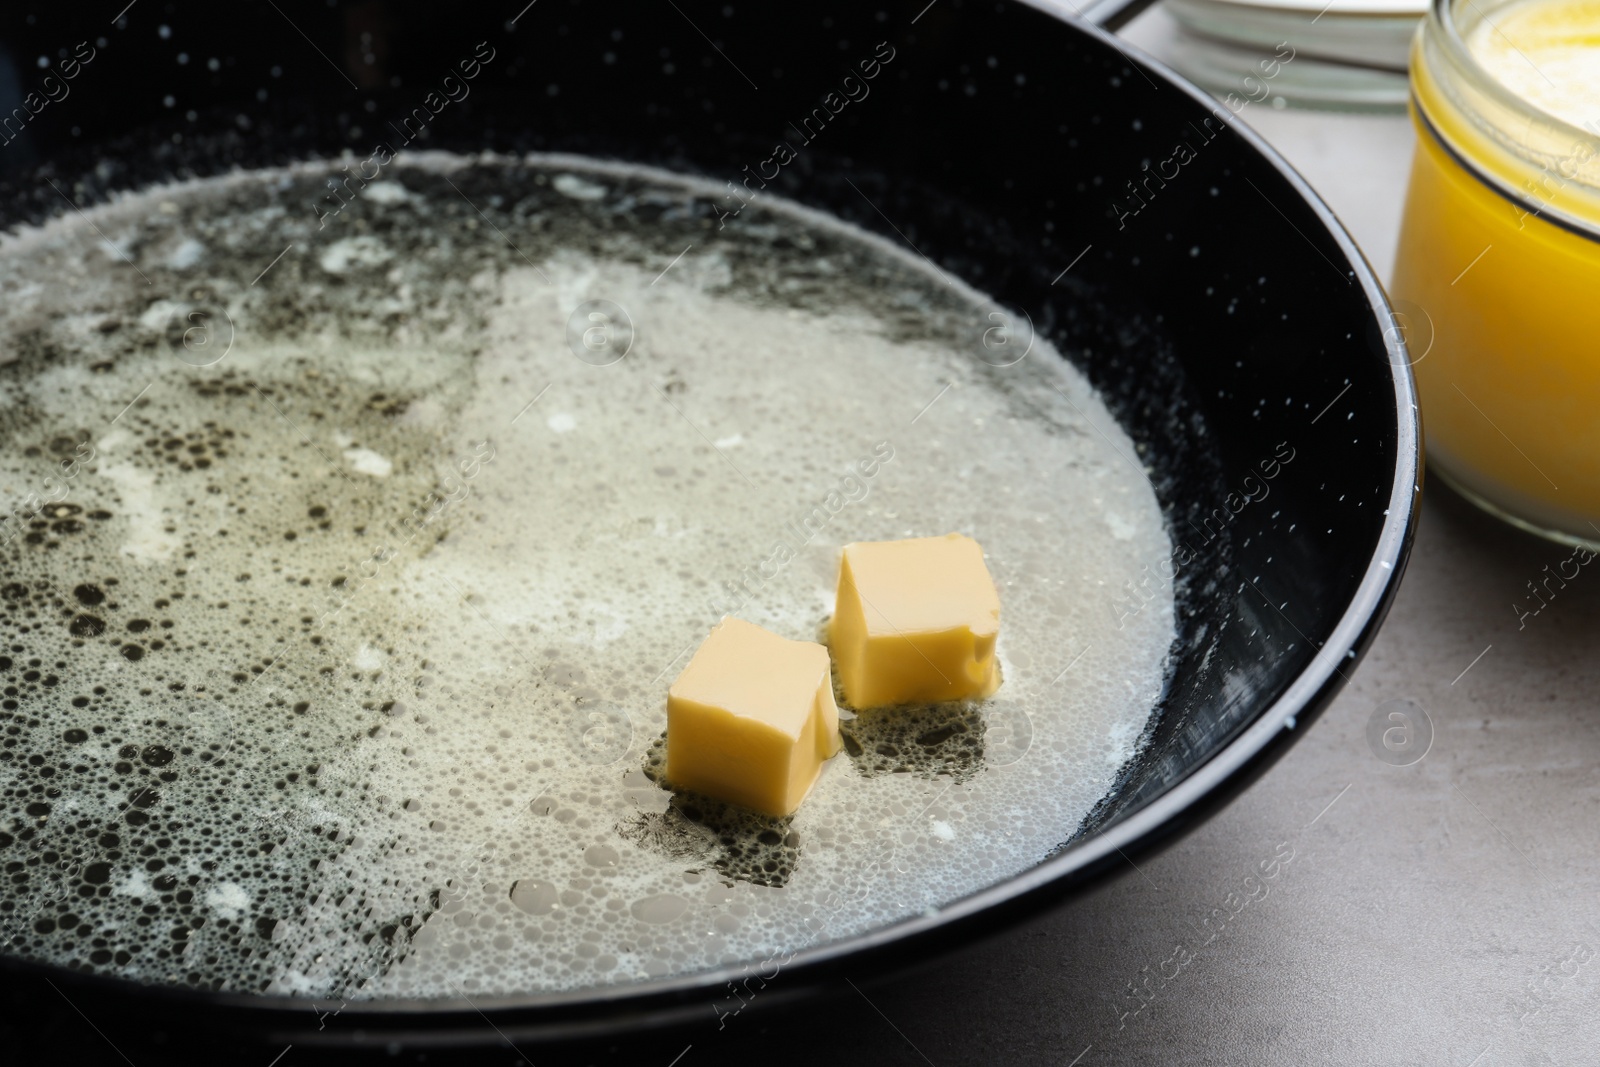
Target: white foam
{"type": "Point", "coordinates": [229, 900]}
{"type": "Point", "coordinates": [351, 252]}
{"type": "Point", "coordinates": [475, 663]}
{"type": "Point", "coordinates": [366, 461]}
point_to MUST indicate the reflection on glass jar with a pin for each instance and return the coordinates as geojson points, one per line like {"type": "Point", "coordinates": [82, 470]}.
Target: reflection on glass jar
{"type": "Point", "coordinates": [1500, 256]}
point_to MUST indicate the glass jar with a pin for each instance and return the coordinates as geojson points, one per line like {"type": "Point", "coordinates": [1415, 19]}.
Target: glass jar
{"type": "Point", "coordinates": [1497, 286]}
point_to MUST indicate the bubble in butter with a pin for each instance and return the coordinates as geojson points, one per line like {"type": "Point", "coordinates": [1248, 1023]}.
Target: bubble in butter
{"type": "Point", "coordinates": [335, 663]}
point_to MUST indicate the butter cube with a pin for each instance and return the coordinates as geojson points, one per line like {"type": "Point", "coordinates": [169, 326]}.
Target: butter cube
{"type": "Point", "coordinates": [751, 719]}
{"type": "Point", "coordinates": [915, 620]}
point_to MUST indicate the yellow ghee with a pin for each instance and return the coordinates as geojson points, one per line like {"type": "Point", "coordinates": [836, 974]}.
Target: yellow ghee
{"type": "Point", "coordinates": [1497, 279]}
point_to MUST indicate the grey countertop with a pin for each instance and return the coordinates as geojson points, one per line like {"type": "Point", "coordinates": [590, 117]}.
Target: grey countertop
{"type": "Point", "coordinates": [1435, 913]}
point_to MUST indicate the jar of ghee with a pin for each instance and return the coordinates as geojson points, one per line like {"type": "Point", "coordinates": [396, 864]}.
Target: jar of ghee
{"type": "Point", "coordinates": [1497, 279]}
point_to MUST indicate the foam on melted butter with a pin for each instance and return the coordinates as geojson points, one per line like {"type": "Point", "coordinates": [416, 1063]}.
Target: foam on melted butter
{"type": "Point", "coordinates": [335, 667]}
{"type": "Point", "coordinates": [1548, 53]}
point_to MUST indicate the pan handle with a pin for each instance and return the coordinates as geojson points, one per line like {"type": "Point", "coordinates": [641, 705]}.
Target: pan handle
{"type": "Point", "coordinates": [1109, 15]}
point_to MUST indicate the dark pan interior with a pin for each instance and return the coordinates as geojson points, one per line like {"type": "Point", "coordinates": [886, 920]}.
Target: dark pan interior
{"type": "Point", "coordinates": [1221, 320]}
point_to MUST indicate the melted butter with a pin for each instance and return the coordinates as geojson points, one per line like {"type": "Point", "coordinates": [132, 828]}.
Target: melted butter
{"type": "Point", "coordinates": [1548, 53]}
{"type": "Point", "coordinates": [339, 662]}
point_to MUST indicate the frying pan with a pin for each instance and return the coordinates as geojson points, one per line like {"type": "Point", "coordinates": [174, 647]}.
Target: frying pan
{"type": "Point", "coordinates": [1213, 300]}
